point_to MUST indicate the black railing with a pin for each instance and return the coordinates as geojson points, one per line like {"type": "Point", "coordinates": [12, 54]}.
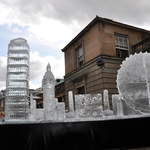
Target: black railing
{"type": "Point", "coordinates": [143, 46]}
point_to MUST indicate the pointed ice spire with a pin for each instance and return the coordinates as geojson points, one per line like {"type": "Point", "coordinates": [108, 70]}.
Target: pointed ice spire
{"type": "Point", "coordinates": [48, 67]}
{"type": "Point", "coordinates": [48, 77]}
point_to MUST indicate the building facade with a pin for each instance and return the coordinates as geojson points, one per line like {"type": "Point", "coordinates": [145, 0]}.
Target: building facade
{"type": "Point", "coordinates": [17, 83]}
{"type": "Point", "coordinates": [93, 57]}
{"type": "Point", "coordinates": [37, 95]}
{"type": "Point", "coordinates": [142, 46]}
{"type": "Point", "coordinates": [60, 90]}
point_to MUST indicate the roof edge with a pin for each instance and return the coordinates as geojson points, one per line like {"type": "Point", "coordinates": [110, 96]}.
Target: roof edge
{"type": "Point", "coordinates": [95, 20]}
{"type": "Point", "coordinates": [82, 32]}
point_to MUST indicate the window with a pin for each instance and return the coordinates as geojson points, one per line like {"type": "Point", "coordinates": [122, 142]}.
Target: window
{"type": "Point", "coordinates": [79, 56]}
{"type": "Point", "coordinates": [122, 46]}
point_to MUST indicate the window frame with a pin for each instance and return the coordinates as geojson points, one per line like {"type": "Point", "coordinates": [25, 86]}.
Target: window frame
{"type": "Point", "coordinates": [78, 65]}
{"type": "Point", "coordinates": [120, 49]}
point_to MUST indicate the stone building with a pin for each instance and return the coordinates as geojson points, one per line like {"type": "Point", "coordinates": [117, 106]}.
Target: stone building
{"type": "Point", "coordinates": [142, 46]}
{"type": "Point", "coordinates": [93, 57]}
{"type": "Point", "coordinates": [37, 96]}
{"type": "Point", "coordinates": [60, 90]}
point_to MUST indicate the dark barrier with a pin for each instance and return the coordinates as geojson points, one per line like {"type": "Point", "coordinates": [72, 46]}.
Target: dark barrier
{"type": "Point", "coordinates": [109, 134]}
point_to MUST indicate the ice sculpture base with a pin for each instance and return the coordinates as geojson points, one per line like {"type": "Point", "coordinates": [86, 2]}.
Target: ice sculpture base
{"type": "Point", "coordinates": [88, 119]}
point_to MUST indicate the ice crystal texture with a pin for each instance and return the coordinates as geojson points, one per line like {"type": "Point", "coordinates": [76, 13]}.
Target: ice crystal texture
{"type": "Point", "coordinates": [133, 98]}
{"type": "Point", "coordinates": [17, 83]}
{"type": "Point", "coordinates": [133, 82]}
{"type": "Point", "coordinates": [88, 105]}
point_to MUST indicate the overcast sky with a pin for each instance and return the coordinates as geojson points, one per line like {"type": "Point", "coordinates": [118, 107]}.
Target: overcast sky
{"type": "Point", "coordinates": [48, 25]}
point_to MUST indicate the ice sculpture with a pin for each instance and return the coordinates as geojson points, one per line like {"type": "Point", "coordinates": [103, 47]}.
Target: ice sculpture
{"type": "Point", "coordinates": [53, 110]}
{"type": "Point", "coordinates": [88, 105]}
{"type": "Point", "coordinates": [71, 113]}
{"type": "Point", "coordinates": [60, 110]}
{"type": "Point", "coordinates": [133, 82]}
{"type": "Point", "coordinates": [32, 108]}
{"type": "Point", "coordinates": [17, 83]}
{"type": "Point", "coordinates": [117, 105]}
{"type": "Point", "coordinates": [71, 101]}
{"type": "Point", "coordinates": [133, 98]}
{"type": "Point", "coordinates": [106, 100]}
{"type": "Point", "coordinates": [107, 111]}
{"type": "Point", "coordinates": [48, 85]}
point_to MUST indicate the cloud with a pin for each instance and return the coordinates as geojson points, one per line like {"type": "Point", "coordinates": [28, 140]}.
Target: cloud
{"type": "Point", "coordinates": [31, 16]}
{"type": "Point", "coordinates": [66, 11]}
{"type": "Point", "coordinates": [37, 68]}
{"type": "Point", "coordinates": [3, 62]}
{"type": "Point", "coordinates": [56, 22]}
{"type": "Point", "coordinates": [53, 32]}
{"type": "Point", "coordinates": [39, 63]}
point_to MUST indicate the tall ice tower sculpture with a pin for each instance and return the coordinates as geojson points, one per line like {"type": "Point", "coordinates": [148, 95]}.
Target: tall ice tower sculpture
{"type": "Point", "coordinates": [49, 102]}
{"type": "Point", "coordinates": [17, 83]}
